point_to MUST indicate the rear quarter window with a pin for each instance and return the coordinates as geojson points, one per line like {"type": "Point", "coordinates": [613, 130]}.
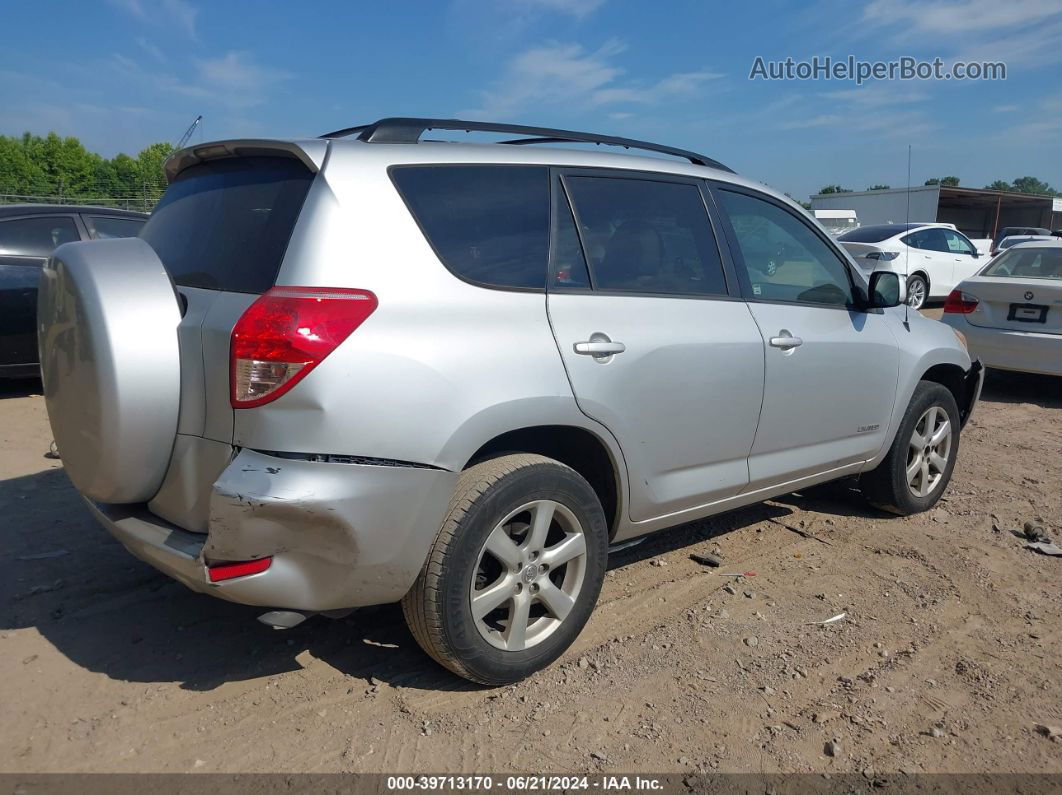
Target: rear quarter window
{"type": "Point", "coordinates": [225, 224]}
{"type": "Point", "coordinates": [488, 224]}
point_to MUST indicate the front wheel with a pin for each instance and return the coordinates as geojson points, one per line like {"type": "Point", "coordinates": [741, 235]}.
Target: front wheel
{"type": "Point", "coordinates": [917, 291]}
{"type": "Point", "coordinates": [918, 466]}
{"type": "Point", "coordinates": [515, 571]}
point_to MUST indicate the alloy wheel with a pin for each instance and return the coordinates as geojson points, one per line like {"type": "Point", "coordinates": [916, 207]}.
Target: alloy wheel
{"type": "Point", "coordinates": [916, 293]}
{"type": "Point", "coordinates": [929, 450]}
{"type": "Point", "coordinates": [528, 576]}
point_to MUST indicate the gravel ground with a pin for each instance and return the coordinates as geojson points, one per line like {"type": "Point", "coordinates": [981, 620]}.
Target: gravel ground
{"type": "Point", "coordinates": [947, 660]}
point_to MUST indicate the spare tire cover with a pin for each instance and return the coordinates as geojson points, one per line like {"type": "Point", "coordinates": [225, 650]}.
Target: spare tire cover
{"type": "Point", "coordinates": [107, 317]}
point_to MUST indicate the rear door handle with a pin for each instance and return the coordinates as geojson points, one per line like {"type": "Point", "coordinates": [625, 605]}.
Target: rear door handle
{"type": "Point", "coordinates": [786, 341]}
{"type": "Point", "coordinates": [599, 348]}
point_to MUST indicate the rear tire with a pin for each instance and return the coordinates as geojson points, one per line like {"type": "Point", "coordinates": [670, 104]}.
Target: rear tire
{"type": "Point", "coordinates": [918, 466]}
{"type": "Point", "coordinates": [917, 291]}
{"type": "Point", "coordinates": [515, 571]}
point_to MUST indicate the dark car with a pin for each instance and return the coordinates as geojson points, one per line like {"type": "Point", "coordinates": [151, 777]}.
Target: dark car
{"type": "Point", "coordinates": [28, 235]}
{"type": "Point", "coordinates": [1010, 231]}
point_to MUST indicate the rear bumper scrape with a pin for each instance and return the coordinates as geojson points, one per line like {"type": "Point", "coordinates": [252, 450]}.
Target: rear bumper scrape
{"type": "Point", "coordinates": [340, 535]}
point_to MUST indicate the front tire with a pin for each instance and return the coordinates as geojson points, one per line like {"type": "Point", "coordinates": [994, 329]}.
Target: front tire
{"type": "Point", "coordinates": [918, 466]}
{"type": "Point", "coordinates": [515, 571]}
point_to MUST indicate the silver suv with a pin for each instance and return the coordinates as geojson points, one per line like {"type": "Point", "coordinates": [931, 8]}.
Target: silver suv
{"type": "Point", "coordinates": [367, 368]}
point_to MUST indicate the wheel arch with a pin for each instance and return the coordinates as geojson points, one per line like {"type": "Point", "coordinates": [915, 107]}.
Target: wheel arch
{"type": "Point", "coordinates": [957, 381]}
{"type": "Point", "coordinates": [581, 449]}
{"type": "Point", "coordinates": [925, 277]}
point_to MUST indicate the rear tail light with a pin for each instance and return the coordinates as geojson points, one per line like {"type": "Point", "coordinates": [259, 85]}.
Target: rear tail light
{"type": "Point", "coordinates": [285, 334]}
{"type": "Point", "coordinates": [230, 571]}
{"type": "Point", "coordinates": [883, 256]}
{"type": "Point", "coordinates": [960, 303]}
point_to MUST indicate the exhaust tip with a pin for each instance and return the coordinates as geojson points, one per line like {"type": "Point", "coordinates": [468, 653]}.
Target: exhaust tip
{"type": "Point", "coordinates": [283, 619]}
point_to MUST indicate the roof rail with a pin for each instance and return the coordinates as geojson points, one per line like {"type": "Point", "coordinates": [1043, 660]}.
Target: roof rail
{"type": "Point", "coordinates": [400, 130]}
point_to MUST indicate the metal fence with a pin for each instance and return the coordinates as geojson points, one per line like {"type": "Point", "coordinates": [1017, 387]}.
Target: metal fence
{"type": "Point", "coordinates": [143, 201]}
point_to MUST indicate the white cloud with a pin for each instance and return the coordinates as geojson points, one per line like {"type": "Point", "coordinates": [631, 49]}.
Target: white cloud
{"type": "Point", "coordinates": [565, 74]}
{"type": "Point", "coordinates": [234, 79]}
{"type": "Point", "coordinates": [178, 13]}
{"type": "Point", "coordinates": [239, 77]}
{"type": "Point", "coordinates": [953, 17]}
{"type": "Point", "coordinates": [1042, 124]}
{"type": "Point", "coordinates": [1016, 31]}
{"type": "Point", "coordinates": [822, 120]}
{"type": "Point", "coordinates": [1006, 108]}
{"type": "Point", "coordinates": [577, 8]}
{"type": "Point", "coordinates": [877, 95]}
{"type": "Point", "coordinates": [150, 49]}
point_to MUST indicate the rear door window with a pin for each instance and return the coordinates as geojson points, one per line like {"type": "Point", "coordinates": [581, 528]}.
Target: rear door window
{"type": "Point", "coordinates": [488, 224]}
{"type": "Point", "coordinates": [36, 237]}
{"type": "Point", "coordinates": [931, 239]}
{"type": "Point", "coordinates": [225, 224]}
{"type": "Point", "coordinates": [647, 236]}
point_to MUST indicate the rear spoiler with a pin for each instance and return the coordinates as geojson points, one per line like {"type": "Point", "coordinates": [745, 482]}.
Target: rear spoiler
{"type": "Point", "coordinates": [311, 152]}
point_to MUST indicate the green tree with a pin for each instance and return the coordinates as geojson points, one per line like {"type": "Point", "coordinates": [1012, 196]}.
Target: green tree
{"type": "Point", "coordinates": [149, 165]}
{"type": "Point", "coordinates": [879, 187]}
{"type": "Point", "coordinates": [1033, 185]}
{"type": "Point", "coordinates": [62, 169]}
{"type": "Point", "coordinates": [1024, 185]}
{"type": "Point", "coordinates": [947, 182]}
{"type": "Point", "coordinates": [834, 189]}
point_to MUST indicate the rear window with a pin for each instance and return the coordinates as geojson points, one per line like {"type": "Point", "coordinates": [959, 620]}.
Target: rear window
{"type": "Point", "coordinates": [225, 224]}
{"type": "Point", "coordinates": [870, 234]}
{"type": "Point", "coordinates": [36, 237]}
{"type": "Point", "coordinates": [488, 224]}
{"type": "Point", "coordinates": [105, 227]}
{"type": "Point", "coordinates": [1040, 262]}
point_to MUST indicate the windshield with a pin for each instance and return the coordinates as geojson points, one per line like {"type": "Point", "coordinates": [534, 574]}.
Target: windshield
{"type": "Point", "coordinates": [1040, 262]}
{"type": "Point", "coordinates": [1011, 231]}
{"type": "Point", "coordinates": [1007, 242]}
{"type": "Point", "coordinates": [836, 226]}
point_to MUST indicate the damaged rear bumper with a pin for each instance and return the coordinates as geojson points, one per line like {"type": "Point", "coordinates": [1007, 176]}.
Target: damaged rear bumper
{"type": "Point", "coordinates": [340, 535]}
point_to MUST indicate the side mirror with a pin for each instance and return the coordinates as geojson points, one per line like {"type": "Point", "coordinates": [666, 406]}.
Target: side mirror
{"type": "Point", "coordinates": [886, 289]}
{"type": "Point", "coordinates": [975, 254]}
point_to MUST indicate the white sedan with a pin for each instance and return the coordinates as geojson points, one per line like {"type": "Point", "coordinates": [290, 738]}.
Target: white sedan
{"type": "Point", "coordinates": [1011, 312]}
{"type": "Point", "coordinates": [935, 257]}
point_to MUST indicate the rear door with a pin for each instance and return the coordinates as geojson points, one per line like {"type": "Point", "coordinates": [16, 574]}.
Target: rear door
{"type": "Point", "coordinates": [831, 369]}
{"type": "Point", "coordinates": [221, 230]}
{"type": "Point", "coordinates": [658, 345]}
{"type": "Point", "coordinates": [25, 243]}
{"type": "Point", "coordinates": [931, 254]}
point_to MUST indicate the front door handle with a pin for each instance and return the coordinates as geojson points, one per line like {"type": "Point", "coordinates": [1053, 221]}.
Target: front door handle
{"type": "Point", "coordinates": [599, 348]}
{"type": "Point", "coordinates": [786, 341]}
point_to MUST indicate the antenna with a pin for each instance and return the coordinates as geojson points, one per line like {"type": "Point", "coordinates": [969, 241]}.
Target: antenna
{"type": "Point", "coordinates": [907, 249]}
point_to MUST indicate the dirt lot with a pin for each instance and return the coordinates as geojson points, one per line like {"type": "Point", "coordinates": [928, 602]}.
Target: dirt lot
{"type": "Point", "coordinates": [950, 653]}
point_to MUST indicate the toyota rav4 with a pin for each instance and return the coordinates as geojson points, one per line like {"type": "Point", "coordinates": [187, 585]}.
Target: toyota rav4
{"type": "Point", "coordinates": [366, 368]}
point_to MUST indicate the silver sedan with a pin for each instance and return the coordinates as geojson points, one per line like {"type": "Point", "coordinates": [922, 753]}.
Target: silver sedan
{"type": "Point", "coordinates": [1011, 311]}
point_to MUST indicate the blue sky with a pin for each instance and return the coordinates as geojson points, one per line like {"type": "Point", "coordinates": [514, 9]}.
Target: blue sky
{"type": "Point", "coordinates": [120, 74]}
